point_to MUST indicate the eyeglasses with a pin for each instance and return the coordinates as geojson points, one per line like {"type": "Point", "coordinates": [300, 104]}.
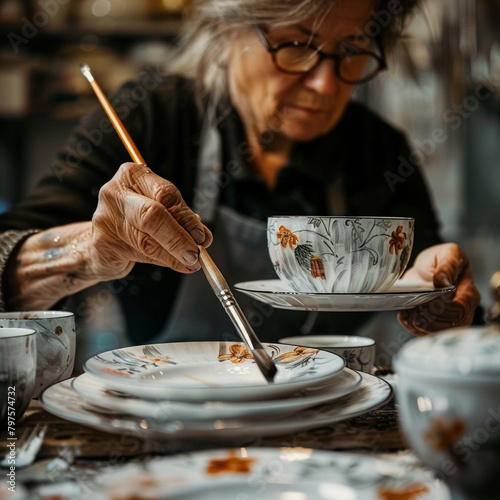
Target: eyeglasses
{"type": "Point", "coordinates": [353, 66]}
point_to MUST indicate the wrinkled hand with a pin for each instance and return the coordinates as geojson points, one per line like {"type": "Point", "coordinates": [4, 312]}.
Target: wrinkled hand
{"type": "Point", "coordinates": [444, 265]}
{"type": "Point", "coordinates": [142, 217]}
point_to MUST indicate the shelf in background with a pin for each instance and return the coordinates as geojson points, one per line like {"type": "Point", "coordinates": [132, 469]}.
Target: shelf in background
{"type": "Point", "coordinates": [167, 25]}
{"type": "Point", "coordinates": [167, 28]}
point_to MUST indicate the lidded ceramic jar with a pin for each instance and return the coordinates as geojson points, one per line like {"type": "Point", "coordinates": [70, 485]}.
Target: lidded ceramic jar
{"type": "Point", "coordinates": [449, 405]}
{"type": "Point", "coordinates": [466, 352]}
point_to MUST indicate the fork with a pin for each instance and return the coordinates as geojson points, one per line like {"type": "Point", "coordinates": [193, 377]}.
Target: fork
{"type": "Point", "coordinates": [27, 448]}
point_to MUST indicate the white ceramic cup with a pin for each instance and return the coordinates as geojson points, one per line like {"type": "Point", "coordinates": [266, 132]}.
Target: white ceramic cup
{"type": "Point", "coordinates": [358, 352]}
{"type": "Point", "coordinates": [17, 374]}
{"type": "Point", "coordinates": [339, 254]}
{"type": "Point", "coordinates": [56, 343]}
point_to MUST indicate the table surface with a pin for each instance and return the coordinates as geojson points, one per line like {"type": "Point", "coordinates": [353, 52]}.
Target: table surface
{"type": "Point", "coordinates": [376, 431]}
{"type": "Point", "coordinates": [87, 449]}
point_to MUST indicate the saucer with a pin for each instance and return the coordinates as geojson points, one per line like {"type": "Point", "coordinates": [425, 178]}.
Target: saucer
{"type": "Point", "coordinates": [402, 295]}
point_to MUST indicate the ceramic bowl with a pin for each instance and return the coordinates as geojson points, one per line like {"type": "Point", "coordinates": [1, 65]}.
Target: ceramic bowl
{"type": "Point", "coordinates": [56, 343]}
{"type": "Point", "coordinates": [358, 352]}
{"type": "Point", "coordinates": [17, 375]}
{"type": "Point", "coordinates": [449, 401]}
{"type": "Point", "coordinates": [339, 254]}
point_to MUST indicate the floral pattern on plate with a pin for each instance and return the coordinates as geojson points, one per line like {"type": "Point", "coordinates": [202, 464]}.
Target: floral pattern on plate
{"type": "Point", "coordinates": [200, 371]}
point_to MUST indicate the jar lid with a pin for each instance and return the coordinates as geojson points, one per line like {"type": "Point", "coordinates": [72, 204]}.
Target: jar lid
{"type": "Point", "coordinates": [459, 351]}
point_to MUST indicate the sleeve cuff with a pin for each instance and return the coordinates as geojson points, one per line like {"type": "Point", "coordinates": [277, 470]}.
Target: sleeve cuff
{"type": "Point", "coordinates": [9, 240]}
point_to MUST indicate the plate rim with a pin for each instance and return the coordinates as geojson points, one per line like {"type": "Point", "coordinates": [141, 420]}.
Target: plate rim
{"type": "Point", "coordinates": [239, 286]}
{"type": "Point", "coordinates": [244, 432]}
{"type": "Point", "coordinates": [283, 297]}
{"type": "Point", "coordinates": [259, 406]}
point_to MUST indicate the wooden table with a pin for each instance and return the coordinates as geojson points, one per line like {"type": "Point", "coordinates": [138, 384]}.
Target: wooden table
{"type": "Point", "coordinates": [88, 450]}
{"type": "Point", "coordinates": [376, 431]}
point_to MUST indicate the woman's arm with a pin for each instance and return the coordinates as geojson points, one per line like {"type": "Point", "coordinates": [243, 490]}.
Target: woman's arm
{"type": "Point", "coordinates": [140, 217]}
{"type": "Point", "coordinates": [66, 198]}
{"type": "Point", "coordinates": [47, 267]}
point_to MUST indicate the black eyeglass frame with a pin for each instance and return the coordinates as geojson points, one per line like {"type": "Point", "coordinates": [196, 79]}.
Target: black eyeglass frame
{"type": "Point", "coordinates": [336, 58]}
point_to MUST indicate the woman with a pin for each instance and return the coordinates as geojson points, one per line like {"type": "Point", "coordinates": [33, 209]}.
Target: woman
{"type": "Point", "coordinates": [254, 119]}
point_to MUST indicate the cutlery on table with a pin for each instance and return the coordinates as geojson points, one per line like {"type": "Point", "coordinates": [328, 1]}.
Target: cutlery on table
{"type": "Point", "coordinates": [217, 282]}
{"type": "Point", "coordinates": [27, 448]}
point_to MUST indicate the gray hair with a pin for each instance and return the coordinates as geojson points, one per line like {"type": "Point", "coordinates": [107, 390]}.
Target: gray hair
{"type": "Point", "coordinates": [212, 26]}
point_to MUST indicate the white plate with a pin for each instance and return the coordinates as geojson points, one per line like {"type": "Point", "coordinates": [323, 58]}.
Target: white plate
{"type": "Point", "coordinates": [270, 473]}
{"type": "Point", "coordinates": [210, 371]}
{"type": "Point", "coordinates": [402, 295]}
{"type": "Point", "coordinates": [95, 392]}
{"type": "Point", "coordinates": [264, 473]}
{"type": "Point", "coordinates": [61, 400]}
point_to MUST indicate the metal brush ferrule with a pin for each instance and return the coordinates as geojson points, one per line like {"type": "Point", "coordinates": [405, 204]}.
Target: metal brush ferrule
{"type": "Point", "coordinates": [227, 298]}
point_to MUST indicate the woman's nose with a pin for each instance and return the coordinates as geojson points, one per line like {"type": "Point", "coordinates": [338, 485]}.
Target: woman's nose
{"type": "Point", "coordinates": [322, 79]}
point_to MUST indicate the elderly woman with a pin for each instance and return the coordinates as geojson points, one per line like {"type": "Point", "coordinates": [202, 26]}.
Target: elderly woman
{"type": "Point", "coordinates": [254, 118]}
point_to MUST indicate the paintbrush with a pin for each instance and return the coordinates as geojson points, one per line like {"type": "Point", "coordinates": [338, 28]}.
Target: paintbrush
{"type": "Point", "coordinates": [214, 276]}
{"type": "Point", "coordinates": [232, 308]}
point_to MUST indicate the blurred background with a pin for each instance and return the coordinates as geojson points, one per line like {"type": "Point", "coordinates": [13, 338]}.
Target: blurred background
{"type": "Point", "coordinates": [445, 95]}
{"type": "Point", "coordinates": [442, 89]}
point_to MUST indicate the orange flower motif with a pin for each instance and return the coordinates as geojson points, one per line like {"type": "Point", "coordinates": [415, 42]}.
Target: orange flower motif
{"type": "Point", "coordinates": [317, 268]}
{"type": "Point", "coordinates": [443, 435]}
{"type": "Point", "coordinates": [397, 241]}
{"type": "Point", "coordinates": [296, 354]}
{"type": "Point", "coordinates": [232, 464]}
{"type": "Point", "coordinates": [162, 360]}
{"type": "Point", "coordinates": [111, 371]}
{"type": "Point", "coordinates": [410, 492]}
{"type": "Point", "coordinates": [238, 354]}
{"type": "Point", "coordinates": [287, 238]}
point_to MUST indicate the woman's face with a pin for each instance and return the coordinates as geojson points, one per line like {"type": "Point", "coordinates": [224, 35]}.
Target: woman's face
{"type": "Point", "coordinates": [296, 107]}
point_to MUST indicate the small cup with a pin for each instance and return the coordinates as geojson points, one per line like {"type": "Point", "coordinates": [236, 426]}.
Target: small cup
{"type": "Point", "coordinates": [358, 352]}
{"type": "Point", "coordinates": [56, 343]}
{"type": "Point", "coordinates": [339, 254]}
{"type": "Point", "coordinates": [17, 374]}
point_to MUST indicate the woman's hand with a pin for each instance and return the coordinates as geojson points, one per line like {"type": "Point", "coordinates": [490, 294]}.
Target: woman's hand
{"type": "Point", "coordinates": [443, 265]}
{"type": "Point", "coordinates": [142, 217]}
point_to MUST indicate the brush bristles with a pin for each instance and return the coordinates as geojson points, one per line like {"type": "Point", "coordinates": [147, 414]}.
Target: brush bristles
{"type": "Point", "coordinates": [265, 364]}
{"type": "Point", "coordinates": [85, 69]}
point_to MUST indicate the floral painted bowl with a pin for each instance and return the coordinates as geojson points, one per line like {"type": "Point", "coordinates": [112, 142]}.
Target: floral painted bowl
{"type": "Point", "coordinates": [449, 402]}
{"type": "Point", "coordinates": [339, 254]}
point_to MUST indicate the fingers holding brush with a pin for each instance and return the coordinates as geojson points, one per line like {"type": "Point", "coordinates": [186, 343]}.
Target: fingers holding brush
{"type": "Point", "coordinates": [142, 217]}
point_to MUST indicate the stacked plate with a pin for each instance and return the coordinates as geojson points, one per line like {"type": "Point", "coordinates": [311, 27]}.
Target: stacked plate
{"type": "Point", "coordinates": [213, 390]}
